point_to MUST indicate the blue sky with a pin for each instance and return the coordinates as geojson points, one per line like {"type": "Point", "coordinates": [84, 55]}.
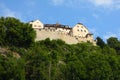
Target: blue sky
{"type": "Point", "coordinates": [102, 17]}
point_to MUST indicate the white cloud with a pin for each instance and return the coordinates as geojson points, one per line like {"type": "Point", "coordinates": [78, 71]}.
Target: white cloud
{"type": "Point", "coordinates": [119, 33]}
{"type": "Point", "coordinates": [5, 11]}
{"type": "Point", "coordinates": [94, 32]}
{"type": "Point", "coordinates": [102, 2]}
{"type": "Point", "coordinates": [57, 2]}
{"type": "Point", "coordinates": [67, 3]}
{"type": "Point", "coordinates": [74, 3]}
{"type": "Point", "coordinates": [117, 6]}
{"type": "Point", "coordinates": [96, 16]}
{"type": "Point", "coordinates": [111, 4]}
{"type": "Point", "coordinates": [30, 3]}
{"type": "Point", "coordinates": [109, 34]}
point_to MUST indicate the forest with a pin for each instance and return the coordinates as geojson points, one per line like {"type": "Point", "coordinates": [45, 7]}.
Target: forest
{"type": "Point", "coordinates": [21, 58]}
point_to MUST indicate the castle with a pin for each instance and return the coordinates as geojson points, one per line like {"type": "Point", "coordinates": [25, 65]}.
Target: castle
{"type": "Point", "coordinates": [79, 33]}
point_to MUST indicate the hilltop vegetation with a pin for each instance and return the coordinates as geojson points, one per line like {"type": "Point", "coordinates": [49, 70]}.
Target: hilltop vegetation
{"type": "Point", "coordinates": [54, 60]}
{"type": "Point", "coordinates": [13, 32]}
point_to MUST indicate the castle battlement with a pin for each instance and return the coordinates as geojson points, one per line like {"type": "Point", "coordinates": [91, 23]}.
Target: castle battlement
{"type": "Point", "coordinates": [79, 33]}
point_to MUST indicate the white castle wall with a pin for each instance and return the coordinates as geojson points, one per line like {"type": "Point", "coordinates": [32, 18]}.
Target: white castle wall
{"type": "Point", "coordinates": [43, 34]}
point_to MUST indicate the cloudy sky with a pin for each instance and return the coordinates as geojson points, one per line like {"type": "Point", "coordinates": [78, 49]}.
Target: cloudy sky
{"type": "Point", "coordinates": [102, 17]}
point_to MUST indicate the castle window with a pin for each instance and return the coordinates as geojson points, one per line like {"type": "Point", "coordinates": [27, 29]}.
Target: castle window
{"type": "Point", "coordinates": [76, 38]}
{"type": "Point", "coordinates": [84, 30]}
{"type": "Point", "coordinates": [39, 26]}
{"type": "Point", "coordinates": [81, 30]}
{"type": "Point", "coordinates": [78, 30]}
{"type": "Point", "coordinates": [35, 26]}
{"type": "Point", "coordinates": [77, 26]}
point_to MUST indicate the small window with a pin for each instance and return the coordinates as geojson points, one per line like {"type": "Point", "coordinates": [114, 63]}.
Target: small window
{"type": "Point", "coordinates": [84, 30]}
{"type": "Point", "coordinates": [81, 30]}
{"type": "Point", "coordinates": [78, 30]}
{"type": "Point", "coordinates": [35, 26]}
{"type": "Point", "coordinates": [77, 26]}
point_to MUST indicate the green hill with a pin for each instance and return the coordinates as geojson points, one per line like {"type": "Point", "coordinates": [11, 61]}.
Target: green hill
{"type": "Point", "coordinates": [21, 58]}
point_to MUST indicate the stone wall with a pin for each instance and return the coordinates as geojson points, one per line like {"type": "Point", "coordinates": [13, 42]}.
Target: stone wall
{"type": "Point", "coordinates": [42, 34]}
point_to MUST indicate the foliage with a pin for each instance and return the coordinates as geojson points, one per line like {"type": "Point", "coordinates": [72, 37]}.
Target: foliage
{"type": "Point", "coordinates": [54, 60]}
{"type": "Point", "coordinates": [16, 33]}
{"type": "Point", "coordinates": [11, 68]}
{"type": "Point", "coordinates": [100, 42]}
{"type": "Point", "coordinates": [81, 61]}
{"type": "Point", "coordinates": [113, 42]}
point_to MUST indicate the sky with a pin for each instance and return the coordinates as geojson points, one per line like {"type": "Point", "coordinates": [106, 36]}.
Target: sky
{"type": "Point", "coordinates": [101, 17]}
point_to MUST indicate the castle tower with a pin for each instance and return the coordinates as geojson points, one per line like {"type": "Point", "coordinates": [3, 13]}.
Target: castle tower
{"type": "Point", "coordinates": [37, 24]}
{"type": "Point", "coordinates": [80, 30]}
{"type": "Point", "coordinates": [82, 34]}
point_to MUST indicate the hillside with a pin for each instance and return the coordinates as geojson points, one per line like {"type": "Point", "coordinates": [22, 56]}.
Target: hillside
{"type": "Point", "coordinates": [21, 58]}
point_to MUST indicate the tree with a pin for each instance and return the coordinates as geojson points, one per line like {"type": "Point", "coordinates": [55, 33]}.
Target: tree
{"type": "Point", "coordinates": [2, 31]}
{"type": "Point", "coordinates": [75, 70]}
{"type": "Point", "coordinates": [37, 64]}
{"type": "Point", "coordinates": [113, 42]}
{"type": "Point", "coordinates": [114, 62]}
{"type": "Point", "coordinates": [100, 42]}
{"type": "Point", "coordinates": [16, 33]}
{"type": "Point", "coordinates": [22, 34]}
{"type": "Point", "coordinates": [11, 68]}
